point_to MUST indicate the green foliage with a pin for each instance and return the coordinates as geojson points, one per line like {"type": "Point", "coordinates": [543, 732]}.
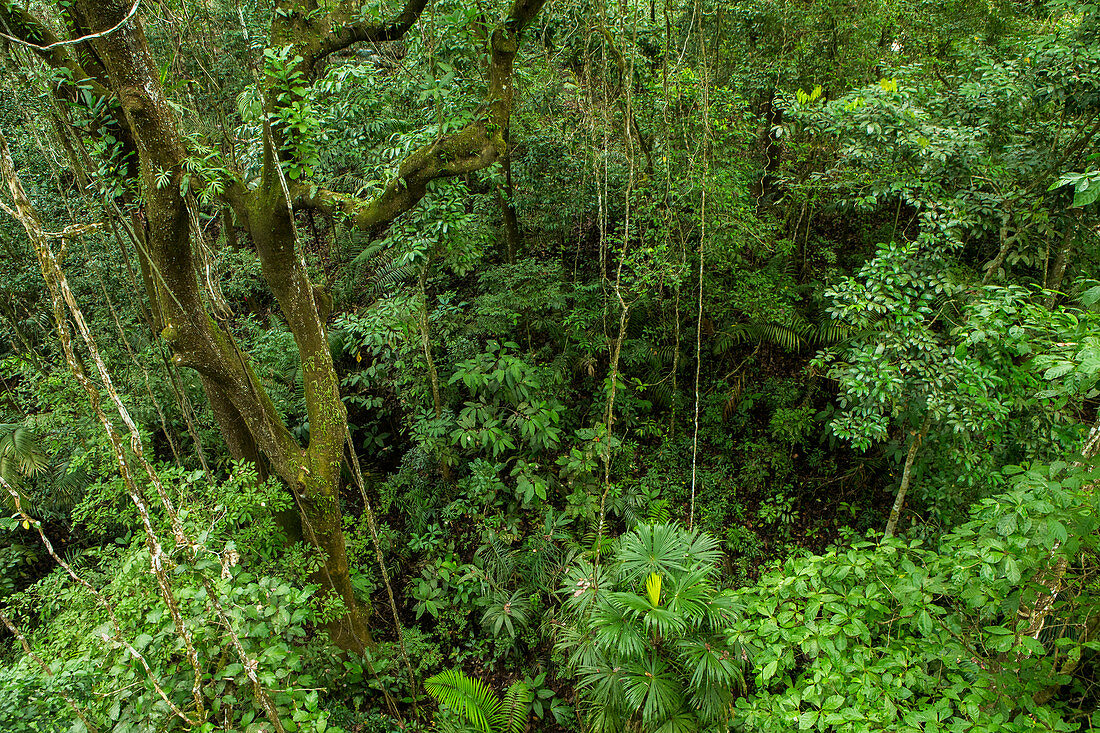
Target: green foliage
{"type": "Point", "coordinates": [20, 453]}
{"type": "Point", "coordinates": [726, 169]}
{"type": "Point", "coordinates": [506, 413]}
{"type": "Point", "coordinates": [1086, 186]}
{"type": "Point", "coordinates": [294, 115]}
{"type": "Point", "coordinates": [507, 613]}
{"type": "Point", "coordinates": [657, 657]}
{"type": "Point", "coordinates": [899, 636]}
{"type": "Point", "coordinates": [272, 617]}
{"type": "Point", "coordinates": [900, 366]}
{"type": "Point", "coordinates": [483, 710]}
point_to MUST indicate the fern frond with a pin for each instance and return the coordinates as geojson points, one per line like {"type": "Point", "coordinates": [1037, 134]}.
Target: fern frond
{"type": "Point", "coordinates": [390, 276]}
{"type": "Point", "coordinates": [660, 394]}
{"type": "Point", "coordinates": [830, 333]}
{"type": "Point", "coordinates": [367, 253]}
{"type": "Point", "coordinates": [787, 337]}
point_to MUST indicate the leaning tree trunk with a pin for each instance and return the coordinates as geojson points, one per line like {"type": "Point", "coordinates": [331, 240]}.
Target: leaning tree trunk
{"type": "Point", "coordinates": [915, 440]}
{"type": "Point", "coordinates": [243, 408]}
{"type": "Point", "coordinates": [123, 67]}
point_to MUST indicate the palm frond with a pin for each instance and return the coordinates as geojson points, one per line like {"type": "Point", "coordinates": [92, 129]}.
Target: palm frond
{"type": "Point", "coordinates": [651, 548]}
{"type": "Point", "coordinates": [652, 689]}
{"type": "Point", "coordinates": [682, 721]}
{"type": "Point", "coordinates": [660, 394]}
{"type": "Point", "coordinates": [513, 713]}
{"type": "Point", "coordinates": [20, 450]}
{"type": "Point", "coordinates": [733, 396]}
{"type": "Point", "coordinates": [613, 622]}
{"type": "Point", "coordinates": [793, 333]}
{"type": "Point", "coordinates": [499, 559]}
{"type": "Point", "coordinates": [467, 695]}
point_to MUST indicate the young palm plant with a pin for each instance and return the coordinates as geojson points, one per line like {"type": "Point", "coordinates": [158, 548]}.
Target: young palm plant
{"type": "Point", "coordinates": [20, 453]}
{"type": "Point", "coordinates": [21, 457]}
{"type": "Point", "coordinates": [44, 484]}
{"type": "Point", "coordinates": [479, 706]}
{"type": "Point", "coordinates": [645, 634]}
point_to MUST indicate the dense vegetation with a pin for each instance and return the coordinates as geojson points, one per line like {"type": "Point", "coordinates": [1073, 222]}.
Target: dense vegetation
{"type": "Point", "coordinates": [513, 365]}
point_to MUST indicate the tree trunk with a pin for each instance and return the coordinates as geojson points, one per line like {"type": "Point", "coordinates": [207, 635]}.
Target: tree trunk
{"type": "Point", "coordinates": [994, 266]}
{"type": "Point", "coordinates": [241, 405]}
{"type": "Point", "coordinates": [511, 226]}
{"type": "Point", "coordinates": [1057, 271]}
{"type": "Point", "coordinates": [899, 500]}
{"type": "Point", "coordinates": [117, 65]}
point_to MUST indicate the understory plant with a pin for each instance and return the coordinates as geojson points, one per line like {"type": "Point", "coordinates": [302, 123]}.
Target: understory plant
{"type": "Point", "coordinates": [644, 633]}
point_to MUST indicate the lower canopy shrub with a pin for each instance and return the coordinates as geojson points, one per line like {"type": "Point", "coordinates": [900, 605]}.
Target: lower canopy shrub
{"type": "Point", "coordinates": [975, 634]}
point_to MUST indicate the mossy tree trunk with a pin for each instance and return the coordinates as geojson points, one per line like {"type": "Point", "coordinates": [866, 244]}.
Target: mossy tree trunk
{"type": "Point", "coordinates": [119, 64]}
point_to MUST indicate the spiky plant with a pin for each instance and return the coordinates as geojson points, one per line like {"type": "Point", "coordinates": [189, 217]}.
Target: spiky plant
{"type": "Point", "coordinates": [543, 556]}
{"type": "Point", "coordinates": [480, 707]}
{"type": "Point", "coordinates": [44, 485]}
{"type": "Point", "coordinates": [646, 635]}
{"type": "Point", "coordinates": [21, 457]}
{"type": "Point", "coordinates": [509, 613]}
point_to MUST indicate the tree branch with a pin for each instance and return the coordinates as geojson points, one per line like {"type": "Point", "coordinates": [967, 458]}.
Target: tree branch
{"type": "Point", "coordinates": [23, 28]}
{"type": "Point", "coordinates": [74, 41]}
{"type": "Point", "coordinates": [476, 146]}
{"type": "Point", "coordinates": [352, 33]}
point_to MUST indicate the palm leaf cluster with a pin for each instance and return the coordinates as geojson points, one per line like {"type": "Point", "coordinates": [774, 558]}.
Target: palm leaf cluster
{"type": "Point", "coordinates": [647, 638]}
{"type": "Point", "coordinates": [793, 333]}
{"type": "Point", "coordinates": [479, 706]}
{"type": "Point", "coordinates": [43, 485]}
{"type": "Point", "coordinates": [20, 453]}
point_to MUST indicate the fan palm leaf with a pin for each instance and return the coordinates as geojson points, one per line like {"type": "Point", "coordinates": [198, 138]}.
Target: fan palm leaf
{"type": "Point", "coordinates": [651, 548]}
{"type": "Point", "coordinates": [20, 452]}
{"type": "Point", "coordinates": [652, 689]}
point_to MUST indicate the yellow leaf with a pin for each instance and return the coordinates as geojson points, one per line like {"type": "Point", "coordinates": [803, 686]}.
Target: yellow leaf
{"type": "Point", "coordinates": [26, 524]}
{"type": "Point", "coordinates": [653, 589]}
{"type": "Point", "coordinates": [358, 356]}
